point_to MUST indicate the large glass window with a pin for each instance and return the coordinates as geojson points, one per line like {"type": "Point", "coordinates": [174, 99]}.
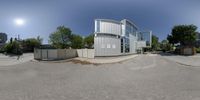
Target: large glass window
{"type": "Point", "coordinates": [139, 35]}
{"type": "Point", "coordinates": [146, 36]}
{"type": "Point", "coordinates": [122, 45]}
{"type": "Point", "coordinates": [130, 29]}
{"type": "Point", "coordinates": [107, 35]}
{"type": "Point", "coordinates": [127, 45]}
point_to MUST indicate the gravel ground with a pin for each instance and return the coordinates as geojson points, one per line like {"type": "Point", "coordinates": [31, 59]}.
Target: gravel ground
{"type": "Point", "coordinates": [146, 77]}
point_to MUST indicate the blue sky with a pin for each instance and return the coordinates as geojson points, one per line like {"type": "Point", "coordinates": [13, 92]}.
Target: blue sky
{"type": "Point", "coordinates": [43, 16]}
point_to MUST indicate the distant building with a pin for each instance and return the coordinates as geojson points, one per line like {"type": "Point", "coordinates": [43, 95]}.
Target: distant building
{"type": "Point", "coordinates": [3, 39]}
{"type": "Point", "coordinates": [198, 40]}
{"type": "Point", "coordinates": [113, 38]}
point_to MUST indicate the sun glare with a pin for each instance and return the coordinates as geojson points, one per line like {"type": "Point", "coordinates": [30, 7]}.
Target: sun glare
{"type": "Point", "coordinates": [19, 22]}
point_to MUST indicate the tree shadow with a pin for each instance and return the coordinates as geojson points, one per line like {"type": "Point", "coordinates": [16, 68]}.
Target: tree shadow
{"type": "Point", "coordinates": [172, 54]}
{"type": "Point", "coordinates": [12, 55]}
{"type": "Point", "coordinates": [167, 54]}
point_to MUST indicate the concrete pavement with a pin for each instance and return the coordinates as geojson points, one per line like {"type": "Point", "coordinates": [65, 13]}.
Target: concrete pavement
{"type": "Point", "coordinates": [146, 77]}
{"type": "Point", "coordinates": [105, 60]}
{"type": "Point", "coordinates": [185, 60]}
{"type": "Point", "coordinates": [13, 60]}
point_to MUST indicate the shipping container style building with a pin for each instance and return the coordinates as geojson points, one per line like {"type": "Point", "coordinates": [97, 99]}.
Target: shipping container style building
{"type": "Point", "coordinates": [114, 38]}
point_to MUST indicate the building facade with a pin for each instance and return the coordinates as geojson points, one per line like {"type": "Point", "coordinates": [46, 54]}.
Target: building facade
{"type": "Point", "coordinates": [113, 38]}
{"type": "Point", "coordinates": [3, 39]}
{"type": "Point", "coordinates": [198, 40]}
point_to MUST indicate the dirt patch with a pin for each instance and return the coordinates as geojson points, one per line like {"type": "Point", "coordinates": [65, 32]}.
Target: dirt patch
{"type": "Point", "coordinates": [75, 61]}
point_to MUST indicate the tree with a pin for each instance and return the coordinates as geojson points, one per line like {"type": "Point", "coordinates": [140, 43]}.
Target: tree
{"type": "Point", "coordinates": [155, 43]}
{"type": "Point", "coordinates": [185, 35]}
{"type": "Point", "coordinates": [11, 40]}
{"type": "Point", "coordinates": [13, 48]}
{"type": "Point", "coordinates": [89, 41]}
{"type": "Point", "coordinates": [31, 43]}
{"type": "Point", "coordinates": [61, 38]}
{"type": "Point", "coordinates": [39, 39]}
{"type": "Point", "coordinates": [76, 41]}
{"type": "Point", "coordinates": [165, 45]}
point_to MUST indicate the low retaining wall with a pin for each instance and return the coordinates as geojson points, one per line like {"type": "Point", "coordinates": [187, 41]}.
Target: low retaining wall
{"type": "Point", "coordinates": [85, 53]}
{"type": "Point", "coordinates": [59, 54]}
{"type": "Point", "coordinates": [54, 54]}
{"type": "Point", "coordinates": [188, 51]}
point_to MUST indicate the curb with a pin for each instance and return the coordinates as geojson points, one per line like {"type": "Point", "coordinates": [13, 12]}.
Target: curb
{"type": "Point", "coordinates": [102, 62]}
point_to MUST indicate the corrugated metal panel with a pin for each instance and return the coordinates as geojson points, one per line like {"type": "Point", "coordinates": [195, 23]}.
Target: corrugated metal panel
{"type": "Point", "coordinates": [104, 46]}
{"type": "Point", "coordinates": [108, 27]}
{"type": "Point", "coordinates": [132, 43]}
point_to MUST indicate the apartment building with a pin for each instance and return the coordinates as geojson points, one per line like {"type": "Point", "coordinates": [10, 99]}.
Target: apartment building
{"type": "Point", "coordinates": [3, 39]}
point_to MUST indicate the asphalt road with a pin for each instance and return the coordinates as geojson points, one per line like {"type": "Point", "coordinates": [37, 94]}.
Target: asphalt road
{"type": "Point", "coordinates": [146, 77]}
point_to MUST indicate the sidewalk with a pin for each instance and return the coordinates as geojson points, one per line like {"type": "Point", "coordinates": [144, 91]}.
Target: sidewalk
{"type": "Point", "coordinates": [105, 60]}
{"type": "Point", "coordinates": [185, 60]}
{"type": "Point", "coordinates": [12, 60]}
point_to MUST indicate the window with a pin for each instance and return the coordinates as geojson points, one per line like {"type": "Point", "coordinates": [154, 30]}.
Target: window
{"type": "Point", "coordinates": [130, 29]}
{"type": "Point", "coordinates": [127, 45]}
{"type": "Point", "coordinates": [122, 45]}
{"type": "Point", "coordinates": [107, 35]}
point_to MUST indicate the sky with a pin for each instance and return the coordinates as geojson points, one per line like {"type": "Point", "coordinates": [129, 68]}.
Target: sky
{"type": "Point", "coordinates": [42, 17]}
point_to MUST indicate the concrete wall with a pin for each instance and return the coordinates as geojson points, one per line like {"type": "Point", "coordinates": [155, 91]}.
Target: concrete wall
{"type": "Point", "coordinates": [85, 53]}
{"type": "Point", "coordinates": [70, 53]}
{"type": "Point", "coordinates": [37, 54]}
{"type": "Point", "coordinates": [141, 44]}
{"type": "Point", "coordinates": [51, 54]}
{"type": "Point", "coordinates": [188, 51]}
{"type": "Point", "coordinates": [54, 54]}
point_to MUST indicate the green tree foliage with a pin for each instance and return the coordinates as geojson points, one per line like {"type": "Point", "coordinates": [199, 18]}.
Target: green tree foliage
{"type": "Point", "coordinates": [155, 43]}
{"type": "Point", "coordinates": [89, 41]}
{"type": "Point", "coordinates": [183, 34]}
{"type": "Point", "coordinates": [31, 43]}
{"type": "Point", "coordinates": [18, 46]}
{"type": "Point", "coordinates": [76, 41]}
{"type": "Point", "coordinates": [165, 46]}
{"type": "Point", "coordinates": [61, 38]}
{"type": "Point", "coordinates": [39, 39]}
{"type": "Point", "coordinates": [13, 47]}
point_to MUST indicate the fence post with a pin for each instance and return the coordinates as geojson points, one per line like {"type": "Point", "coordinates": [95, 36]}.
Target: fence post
{"type": "Point", "coordinates": [40, 54]}
{"type": "Point", "coordinates": [47, 54]}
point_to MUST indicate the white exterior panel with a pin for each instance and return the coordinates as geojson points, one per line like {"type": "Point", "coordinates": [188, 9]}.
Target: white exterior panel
{"type": "Point", "coordinates": [108, 27]}
{"type": "Point", "coordinates": [107, 45]}
{"type": "Point", "coordinates": [113, 38]}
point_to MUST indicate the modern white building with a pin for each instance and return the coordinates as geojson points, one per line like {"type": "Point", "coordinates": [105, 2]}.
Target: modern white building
{"type": "Point", "coordinates": [114, 38]}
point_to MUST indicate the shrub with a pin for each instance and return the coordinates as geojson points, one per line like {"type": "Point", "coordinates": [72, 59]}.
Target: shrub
{"type": "Point", "coordinates": [29, 44]}
{"type": "Point", "coordinates": [13, 48]}
{"type": "Point", "coordinates": [2, 50]}
{"type": "Point", "coordinates": [198, 50]}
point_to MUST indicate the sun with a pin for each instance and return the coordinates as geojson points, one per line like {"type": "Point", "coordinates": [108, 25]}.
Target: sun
{"type": "Point", "coordinates": [19, 22]}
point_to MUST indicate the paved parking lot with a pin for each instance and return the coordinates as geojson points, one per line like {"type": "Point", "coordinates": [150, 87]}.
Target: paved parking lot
{"type": "Point", "coordinates": [7, 60]}
{"type": "Point", "coordinates": [145, 77]}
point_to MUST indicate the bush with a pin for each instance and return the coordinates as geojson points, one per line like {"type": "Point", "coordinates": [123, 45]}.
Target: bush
{"type": "Point", "coordinates": [13, 48]}
{"type": "Point", "coordinates": [29, 44]}
{"type": "Point", "coordinates": [2, 49]}
{"type": "Point", "coordinates": [198, 50]}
